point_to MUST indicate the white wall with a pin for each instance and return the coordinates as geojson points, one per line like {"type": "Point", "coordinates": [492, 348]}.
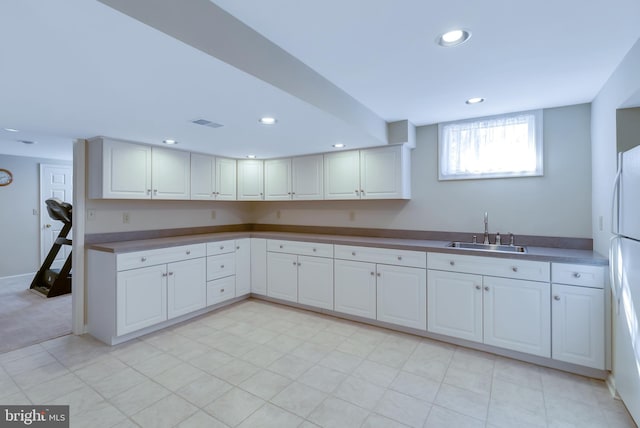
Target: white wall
{"type": "Point", "coordinates": [20, 227]}
{"type": "Point", "coordinates": [622, 90]}
{"type": "Point", "coordinates": [558, 204]}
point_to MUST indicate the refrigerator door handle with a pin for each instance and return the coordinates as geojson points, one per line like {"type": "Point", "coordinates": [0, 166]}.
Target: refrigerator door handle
{"type": "Point", "coordinates": [614, 279]}
{"type": "Point", "coordinates": [615, 198]}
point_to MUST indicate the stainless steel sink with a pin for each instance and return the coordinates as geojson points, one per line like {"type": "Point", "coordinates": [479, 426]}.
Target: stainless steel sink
{"type": "Point", "coordinates": [488, 247]}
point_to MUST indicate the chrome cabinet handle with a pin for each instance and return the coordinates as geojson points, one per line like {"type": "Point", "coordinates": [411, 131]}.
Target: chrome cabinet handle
{"type": "Point", "coordinates": [222, 247]}
{"type": "Point", "coordinates": [478, 287]}
{"type": "Point", "coordinates": [238, 247]}
{"type": "Point", "coordinates": [486, 288]}
{"type": "Point", "coordinates": [299, 264]}
{"type": "Point", "coordinates": [281, 246]}
{"type": "Point", "coordinates": [295, 263]}
{"type": "Point", "coordinates": [314, 250]}
{"type": "Point", "coordinates": [155, 191]}
{"type": "Point", "coordinates": [353, 253]}
{"type": "Point", "coordinates": [577, 275]}
{"type": "Point", "coordinates": [164, 274]}
{"type": "Point", "coordinates": [361, 191]}
{"type": "Point", "coordinates": [170, 273]}
{"type": "Point", "coordinates": [372, 273]}
{"type": "Point", "coordinates": [222, 290]}
{"type": "Point", "coordinates": [514, 268]}
{"type": "Point", "coordinates": [148, 191]}
{"type": "Point", "coordinates": [452, 263]}
{"type": "Point", "coordinates": [143, 259]}
{"type": "Point", "coordinates": [379, 274]}
{"type": "Point", "coordinates": [221, 266]}
{"type": "Point", "coordinates": [556, 297]}
{"type": "Point", "coordinates": [188, 252]}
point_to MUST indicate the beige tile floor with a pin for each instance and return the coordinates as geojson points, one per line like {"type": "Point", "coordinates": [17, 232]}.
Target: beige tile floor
{"type": "Point", "coordinates": [258, 364]}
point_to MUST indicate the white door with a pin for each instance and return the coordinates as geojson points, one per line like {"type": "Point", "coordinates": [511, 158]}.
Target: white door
{"type": "Point", "coordinates": [402, 296]}
{"type": "Point", "coordinates": [315, 282]}
{"type": "Point", "coordinates": [250, 180]}
{"type": "Point", "coordinates": [517, 315]}
{"type": "Point", "coordinates": [243, 266]}
{"type": "Point", "coordinates": [381, 173]}
{"type": "Point", "coordinates": [282, 276]}
{"type": "Point", "coordinates": [355, 288]}
{"type": "Point", "coordinates": [577, 328]}
{"type": "Point", "coordinates": [226, 179]}
{"type": "Point", "coordinates": [56, 181]}
{"type": "Point", "coordinates": [203, 176]}
{"type": "Point", "coordinates": [307, 177]}
{"type": "Point", "coordinates": [342, 175]}
{"type": "Point", "coordinates": [126, 170]}
{"type": "Point", "coordinates": [170, 173]}
{"type": "Point", "coordinates": [277, 179]}
{"type": "Point", "coordinates": [455, 304]}
{"type": "Point", "coordinates": [259, 266]}
{"type": "Point", "coordinates": [186, 286]}
{"type": "Point", "coordinates": [142, 298]}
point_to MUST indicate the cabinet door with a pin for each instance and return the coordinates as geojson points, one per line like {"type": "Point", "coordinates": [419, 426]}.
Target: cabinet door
{"type": "Point", "coordinates": [455, 304]}
{"type": "Point", "coordinates": [250, 180]}
{"type": "Point", "coordinates": [226, 179]}
{"type": "Point", "coordinates": [307, 177]}
{"type": "Point", "coordinates": [381, 173]}
{"type": "Point", "coordinates": [203, 176]}
{"type": "Point", "coordinates": [243, 266]}
{"type": "Point", "coordinates": [342, 175]}
{"type": "Point", "coordinates": [259, 266]}
{"type": "Point", "coordinates": [277, 179]}
{"type": "Point", "coordinates": [186, 286]}
{"type": "Point", "coordinates": [141, 298]}
{"type": "Point", "coordinates": [402, 296]}
{"type": "Point", "coordinates": [126, 170]}
{"type": "Point", "coordinates": [578, 325]}
{"type": "Point", "coordinates": [315, 281]}
{"type": "Point", "coordinates": [355, 288]}
{"type": "Point", "coordinates": [282, 276]}
{"type": "Point", "coordinates": [517, 315]}
{"type": "Point", "coordinates": [170, 173]}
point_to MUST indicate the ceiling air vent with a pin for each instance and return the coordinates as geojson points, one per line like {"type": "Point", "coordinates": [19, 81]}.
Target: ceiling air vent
{"type": "Point", "coordinates": [205, 122]}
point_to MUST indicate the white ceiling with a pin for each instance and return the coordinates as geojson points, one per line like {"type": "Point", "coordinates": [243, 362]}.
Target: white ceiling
{"type": "Point", "coordinates": [78, 68]}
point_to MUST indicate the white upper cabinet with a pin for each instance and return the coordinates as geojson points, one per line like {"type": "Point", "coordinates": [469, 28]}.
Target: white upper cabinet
{"type": "Point", "coordinates": [250, 180]}
{"type": "Point", "coordinates": [379, 173]}
{"type": "Point", "coordinates": [212, 178]}
{"type": "Point", "coordinates": [307, 177]}
{"type": "Point", "coordinates": [170, 173]}
{"type": "Point", "coordinates": [277, 179]}
{"type": "Point", "coordinates": [122, 170]}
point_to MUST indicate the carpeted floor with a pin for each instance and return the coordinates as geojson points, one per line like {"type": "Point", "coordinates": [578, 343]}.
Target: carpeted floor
{"type": "Point", "coordinates": [27, 318]}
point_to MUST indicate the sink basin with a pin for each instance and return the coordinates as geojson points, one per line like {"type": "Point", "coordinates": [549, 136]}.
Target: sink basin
{"type": "Point", "coordinates": [488, 247]}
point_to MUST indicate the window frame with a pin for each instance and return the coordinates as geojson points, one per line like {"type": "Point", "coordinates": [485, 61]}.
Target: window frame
{"type": "Point", "coordinates": [539, 147]}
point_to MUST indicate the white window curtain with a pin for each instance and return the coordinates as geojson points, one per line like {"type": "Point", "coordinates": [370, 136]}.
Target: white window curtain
{"type": "Point", "coordinates": [499, 146]}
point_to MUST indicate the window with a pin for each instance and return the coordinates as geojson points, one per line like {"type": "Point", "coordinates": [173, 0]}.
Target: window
{"type": "Point", "coordinates": [491, 147]}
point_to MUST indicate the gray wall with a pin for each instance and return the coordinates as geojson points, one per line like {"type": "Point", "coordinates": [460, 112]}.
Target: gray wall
{"type": "Point", "coordinates": [20, 226]}
{"type": "Point", "coordinates": [622, 90]}
{"type": "Point", "coordinates": [557, 204]}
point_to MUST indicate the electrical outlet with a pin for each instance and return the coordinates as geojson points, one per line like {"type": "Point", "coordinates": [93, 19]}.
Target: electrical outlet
{"type": "Point", "coordinates": [213, 214]}
{"type": "Point", "coordinates": [125, 218]}
{"type": "Point", "coordinates": [91, 215]}
{"type": "Point", "coordinates": [352, 216]}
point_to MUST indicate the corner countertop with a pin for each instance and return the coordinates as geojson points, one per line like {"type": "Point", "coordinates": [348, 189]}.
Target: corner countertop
{"type": "Point", "coordinates": [533, 253]}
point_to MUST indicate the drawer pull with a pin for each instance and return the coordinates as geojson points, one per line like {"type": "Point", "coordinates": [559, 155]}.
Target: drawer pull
{"type": "Point", "coordinates": [222, 247]}
{"type": "Point", "coordinates": [170, 273]}
{"type": "Point", "coordinates": [164, 274]}
{"type": "Point", "coordinates": [295, 263]}
{"type": "Point", "coordinates": [188, 252]}
{"type": "Point", "coordinates": [514, 268]}
{"type": "Point", "coordinates": [314, 250]}
{"type": "Point", "coordinates": [299, 264]}
{"type": "Point", "coordinates": [399, 257]}
{"type": "Point", "coordinates": [372, 273]}
{"type": "Point", "coordinates": [281, 246]}
{"type": "Point", "coordinates": [452, 263]}
{"type": "Point", "coordinates": [353, 253]}
{"type": "Point", "coordinates": [143, 259]}
{"type": "Point", "coordinates": [222, 290]}
{"type": "Point", "coordinates": [238, 247]}
{"type": "Point", "coordinates": [577, 275]}
{"type": "Point", "coordinates": [556, 297]}
{"type": "Point", "coordinates": [486, 288]}
{"type": "Point", "coordinates": [221, 266]}
{"type": "Point", "coordinates": [478, 287]}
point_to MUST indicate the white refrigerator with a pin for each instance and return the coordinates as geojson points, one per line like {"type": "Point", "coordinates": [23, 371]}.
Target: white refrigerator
{"type": "Point", "coordinates": [624, 264]}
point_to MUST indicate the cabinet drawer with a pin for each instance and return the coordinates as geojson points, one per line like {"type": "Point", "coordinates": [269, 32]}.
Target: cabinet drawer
{"type": "Point", "coordinates": [302, 248]}
{"type": "Point", "coordinates": [159, 256]}
{"type": "Point", "coordinates": [508, 268]}
{"type": "Point", "coordinates": [220, 247]}
{"type": "Point", "coordinates": [574, 274]}
{"type": "Point", "coordinates": [220, 290]}
{"type": "Point", "coordinates": [221, 266]}
{"type": "Point", "coordinates": [382, 255]}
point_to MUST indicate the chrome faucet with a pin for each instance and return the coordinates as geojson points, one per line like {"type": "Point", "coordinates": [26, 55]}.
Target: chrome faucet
{"type": "Point", "coordinates": [486, 228]}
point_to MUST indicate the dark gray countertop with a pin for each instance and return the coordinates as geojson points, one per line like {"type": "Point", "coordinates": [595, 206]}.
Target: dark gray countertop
{"type": "Point", "coordinates": [534, 253]}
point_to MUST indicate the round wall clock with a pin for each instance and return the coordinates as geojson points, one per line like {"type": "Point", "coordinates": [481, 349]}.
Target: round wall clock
{"type": "Point", "coordinates": [5, 177]}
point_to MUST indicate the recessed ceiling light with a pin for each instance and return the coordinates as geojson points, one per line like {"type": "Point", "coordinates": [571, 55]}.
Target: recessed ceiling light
{"type": "Point", "coordinates": [11, 130]}
{"type": "Point", "coordinates": [339, 145]}
{"type": "Point", "coordinates": [29, 142]}
{"type": "Point", "coordinates": [170, 142]}
{"type": "Point", "coordinates": [251, 156]}
{"type": "Point", "coordinates": [267, 120]}
{"type": "Point", "coordinates": [453, 38]}
{"type": "Point", "coordinates": [475, 100]}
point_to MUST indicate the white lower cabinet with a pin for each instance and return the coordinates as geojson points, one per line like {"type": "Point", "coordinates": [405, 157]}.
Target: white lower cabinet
{"type": "Point", "coordinates": [243, 266]}
{"type": "Point", "coordinates": [355, 288]}
{"type": "Point", "coordinates": [259, 266]}
{"type": "Point", "coordinates": [455, 304]}
{"type": "Point", "coordinates": [517, 315]}
{"type": "Point", "coordinates": [315, 281]}
{"type": "Point", "coordinates": [220, 290]}
{"type": "Point", "coordinates": [402, 295]}
{"type": "Point", "coordinates": [282, 276]}
{"type": "Point", "coordinates": [141, 298]}
{"type": "Point", "coordinates": [186, 289]}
